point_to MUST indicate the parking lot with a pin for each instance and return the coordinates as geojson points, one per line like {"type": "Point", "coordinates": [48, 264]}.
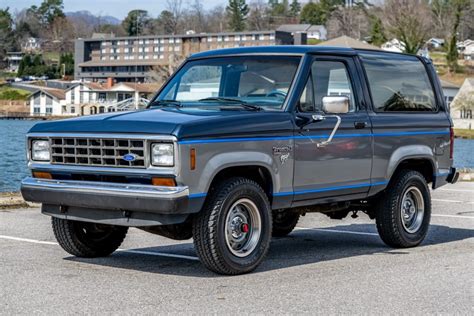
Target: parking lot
{"type": "Point", "coordinates": [325, 266]}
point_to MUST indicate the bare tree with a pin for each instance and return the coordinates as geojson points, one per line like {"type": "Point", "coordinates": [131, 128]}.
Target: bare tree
{"type": "Point", "coordinates": [176, 10]}
{"type": "Point", "coordinates": [258, 18]}
{"type": "Point", "coordinates": [217, 19]}
{"type": "Point", "coordinates": [408, 20]}
{"type": "Point", "coordinates": [349, 21]}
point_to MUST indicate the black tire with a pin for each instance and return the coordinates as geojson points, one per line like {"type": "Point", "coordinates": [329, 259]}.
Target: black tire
{"type": "Point", "coordinates": [284, 222]}
{"type": "Point", "coordinates": [209, 233]}
{"type": "Point", "coordinates": [88, 240]}
{"type": "Point", "coordinates": [390, 223]}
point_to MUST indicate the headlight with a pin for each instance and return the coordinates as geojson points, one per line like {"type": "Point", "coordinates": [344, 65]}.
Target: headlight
{"type": "Point", "coordinates": [40, 150]}
{"type": "Point", "coordinates": [162, 155]}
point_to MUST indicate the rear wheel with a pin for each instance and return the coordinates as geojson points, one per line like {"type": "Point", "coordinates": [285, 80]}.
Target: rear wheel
{"type": "Point", "coordinates": [232, 233]}
{"type": "Point", "coordinates": [404, 211]}
{"type": "Point", "coordinates": [284, 222]}
{"type": "Point", "coordinates": [88, 240]}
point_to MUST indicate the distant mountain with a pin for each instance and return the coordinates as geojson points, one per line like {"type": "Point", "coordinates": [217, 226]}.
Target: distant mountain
{"type": "Point", "coordinates": [92, 19]}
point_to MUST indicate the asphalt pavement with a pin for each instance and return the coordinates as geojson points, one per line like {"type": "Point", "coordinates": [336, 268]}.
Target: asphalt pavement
{"type": "Point", "coordinates": [324, 267]}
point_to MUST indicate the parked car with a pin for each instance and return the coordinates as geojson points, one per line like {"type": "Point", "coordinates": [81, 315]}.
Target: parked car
{"type": "Point", "coordinates": [239, 143]}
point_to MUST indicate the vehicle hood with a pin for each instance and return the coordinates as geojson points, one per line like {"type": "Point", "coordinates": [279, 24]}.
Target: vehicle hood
{"type": "Point", "coordinates": [182, 123]}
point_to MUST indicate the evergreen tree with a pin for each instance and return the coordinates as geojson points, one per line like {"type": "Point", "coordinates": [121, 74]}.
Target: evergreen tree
{"type": "Point", "coordinates": [237, 11]}
{"type": "Point", "coordinates": [377, 35]}
{"type": "Point", "coordinates": [135, 22]}
{"type": "Point", "coordinates": [295, 8]}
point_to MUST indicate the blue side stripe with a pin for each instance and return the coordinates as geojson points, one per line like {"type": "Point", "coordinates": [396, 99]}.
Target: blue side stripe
{"type": "Point", "coordinates": [444, 174]}
{"type": "Point", "coordinates": [354, 186]}
{"type": "Point", "coordinates": [260, 139]}
{"type": "Point", "coordinates": [342, 187]}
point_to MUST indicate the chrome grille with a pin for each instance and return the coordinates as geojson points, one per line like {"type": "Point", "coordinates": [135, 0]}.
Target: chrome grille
{"type": "Point", "coordinates": [108, 152]}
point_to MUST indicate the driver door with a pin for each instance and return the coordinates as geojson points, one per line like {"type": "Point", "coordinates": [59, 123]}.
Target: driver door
{"type": "Point", "coordinates": [342, 167]}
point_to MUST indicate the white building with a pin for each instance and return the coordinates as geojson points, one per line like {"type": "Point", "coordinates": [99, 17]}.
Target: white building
{"type": "Point", "coordinates": [435, 42]}
{"type": "Point", "coordinates": [462, 107]}
{"type": "Point", "coordinates": [450, 90]}
{"type": "Point", "coordinates": [394, 45]}
{"type": "Point", "coordinates": [88, 98]}
{"type": "Point", "coordinates": [31, 45]}
{"type": "Point", "coordinates": [13, 60]}
{"type": "Point", "coordinates": [47, 101]}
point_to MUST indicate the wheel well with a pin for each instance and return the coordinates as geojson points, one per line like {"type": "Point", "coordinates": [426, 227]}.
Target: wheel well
{"type": "Point", "coordinates": [423, 166]}
{"type": "Point", "coordinates": [259, 174]}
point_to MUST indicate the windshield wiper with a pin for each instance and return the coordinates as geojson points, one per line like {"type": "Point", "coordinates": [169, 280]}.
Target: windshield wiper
{"type": "Point", "coordinates": [233, 101]}
{"type": "Point", "coordinates": [168, 103]}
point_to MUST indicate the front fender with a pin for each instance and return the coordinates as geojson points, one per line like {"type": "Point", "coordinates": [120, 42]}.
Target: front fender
{"type": "Point", "coordinates": [223, 161]}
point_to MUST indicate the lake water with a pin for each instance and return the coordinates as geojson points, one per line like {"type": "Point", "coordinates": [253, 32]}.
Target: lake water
{"type": "Point", "coordinates": [13, 153]}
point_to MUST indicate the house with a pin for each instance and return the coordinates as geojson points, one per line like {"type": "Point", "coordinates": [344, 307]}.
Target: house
{"type": "Point", "coordinates": [47, 101]}
{"type": "Point", "coordinates": [31, 45]}
{"type": "Point", "coordinates": [394, 45]}
{"type": "Point", "coordinates": [435, 43]}
{"type": "Point", "coordinates": [450, 90]}
{"type": "Point", "coordinates": [87, 98]}
{"type": "Point", "coordinates": [317, 32]}
{"type": "Point", "coordinates": [468, 51]}
{"type": "Point", "coordinates": [462, 107]}
{"type": "Point", "coordinates": [346, 41]}
{"type": "Point", "coordinates": [13, 60]}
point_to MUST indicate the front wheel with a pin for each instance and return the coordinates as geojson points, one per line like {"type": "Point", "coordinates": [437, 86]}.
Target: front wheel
{"type": "Point", "coordinates": [404, 211]}
{"type": "Point", "coordinates": [232, 233]}
{"type": "Point", "coordinates": [88, 240]}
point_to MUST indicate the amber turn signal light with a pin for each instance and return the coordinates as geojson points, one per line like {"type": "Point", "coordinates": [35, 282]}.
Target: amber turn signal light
{"type": "Point", "coordinates": [165, 182]}
{"type": "Point", "coordinates": [42, 175]}
{"type": "Point", "coordinates": [192, 159]}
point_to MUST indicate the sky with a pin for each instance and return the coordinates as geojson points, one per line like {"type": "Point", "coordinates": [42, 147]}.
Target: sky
{"type": "Point", "coordinates": [116, 8]}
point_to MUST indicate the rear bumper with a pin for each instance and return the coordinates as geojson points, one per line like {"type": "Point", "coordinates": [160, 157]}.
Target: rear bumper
{"type": "Point", "coordinates": [453, 176]}
{"type": "Point", "coordinates": [112, 203]}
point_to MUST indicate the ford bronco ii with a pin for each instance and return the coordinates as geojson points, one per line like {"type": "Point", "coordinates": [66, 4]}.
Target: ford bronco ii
{"type": "Point", "coordinates": [239, 143]}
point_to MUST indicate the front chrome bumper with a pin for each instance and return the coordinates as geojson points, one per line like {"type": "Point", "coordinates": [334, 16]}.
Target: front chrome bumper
{"type": "Point", "coordinates": [106, 196]}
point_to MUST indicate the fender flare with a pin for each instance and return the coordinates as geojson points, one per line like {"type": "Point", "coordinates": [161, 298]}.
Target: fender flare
{"type": "Point", "coordinates": [238, 159]}
{"type": "Point", "coordinates": [409, 152]}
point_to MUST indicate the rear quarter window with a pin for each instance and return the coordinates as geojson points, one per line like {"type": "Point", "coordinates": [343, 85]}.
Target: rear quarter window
{"type": "Point", "coordinates": [398, 83]}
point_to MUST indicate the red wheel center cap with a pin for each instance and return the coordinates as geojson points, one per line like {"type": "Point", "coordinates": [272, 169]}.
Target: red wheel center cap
{"type": "Point", "coordinates": [245, 228]}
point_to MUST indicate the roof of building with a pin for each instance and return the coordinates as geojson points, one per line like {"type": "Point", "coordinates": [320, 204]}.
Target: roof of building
{"type": "Point", "coordinates": [299, 28]}
{"type": "Point", "coordinates": [448, 84]}
{"type": "Point", "coordinates": [173, 36]}
{"type": "Point", "coordinates": [466, 93]}
{"type": "Point", "coordinates": [55, 93]}
{"type": "Point", "coordinates": [143, 87]}
{"type": "Point", "coordinates": [93, 63]}
{"type": "Point", "coordinates": [346, 41]}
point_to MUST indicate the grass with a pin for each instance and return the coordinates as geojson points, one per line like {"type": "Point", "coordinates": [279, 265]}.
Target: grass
{"type": "Point", "coordinates": [7, 93]}
{"type": "Point", "coordinates": [464, 133]}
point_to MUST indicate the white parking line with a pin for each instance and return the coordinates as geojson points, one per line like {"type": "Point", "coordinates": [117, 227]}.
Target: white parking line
{"type": "Point", "coordinates": [451, 201]}
{"type": "Point", "coordinates": [456, 190]}
{"type": "Point", "coordinates": [453, 216]}
{"type": "Point", "coordinates": [141, 252]}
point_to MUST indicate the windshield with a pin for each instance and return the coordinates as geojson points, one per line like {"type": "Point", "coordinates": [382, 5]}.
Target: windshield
{"type": "Point", "coordinates": [247, 82]}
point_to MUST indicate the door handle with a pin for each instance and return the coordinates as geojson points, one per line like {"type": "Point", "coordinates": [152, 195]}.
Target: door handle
{"type": "Point", "coordinates": [360, 125]}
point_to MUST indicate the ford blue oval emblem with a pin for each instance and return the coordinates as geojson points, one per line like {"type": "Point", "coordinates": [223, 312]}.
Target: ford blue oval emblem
{"type": "Point", "coordinates": [129, 157]}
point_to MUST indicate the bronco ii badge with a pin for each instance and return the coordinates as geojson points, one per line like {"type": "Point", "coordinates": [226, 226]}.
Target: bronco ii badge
{"type": "Point", "coordinates": [284, 153]}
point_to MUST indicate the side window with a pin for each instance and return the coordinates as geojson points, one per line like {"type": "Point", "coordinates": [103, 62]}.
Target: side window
{"type": "Point", "coordinates": [328, 78]}
{"type": "Point", "coordinates": [398, 83]}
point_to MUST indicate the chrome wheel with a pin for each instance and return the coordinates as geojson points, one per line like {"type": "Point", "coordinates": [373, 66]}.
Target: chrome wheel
{"type": "Point", "coordinates": [412, 210]}
{"type": "Point", "coordinates": [243, 228]}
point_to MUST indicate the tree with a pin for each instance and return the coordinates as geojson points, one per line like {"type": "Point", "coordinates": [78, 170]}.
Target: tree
{"type": "Point", "coordinates": [377, 35]}
{"type": "Point", "coordinates": [409, 21]}
{"type": "Point", "coordinates": [319, 13]}
{"type": "Point", "coordinates": [295, 8]}
{"type": "Point", "coordinates": [458, 7]}
{"type": "Point", "coordinates": [135, 22]}
{"type": "Point", "coordinates": [259, 16]}
{"type": "Point", "coordinates": [7, 38]}
{"type": "Point", "coordinates": [48, 11]}
{"type": "Point", "coordinates": [237, 11]}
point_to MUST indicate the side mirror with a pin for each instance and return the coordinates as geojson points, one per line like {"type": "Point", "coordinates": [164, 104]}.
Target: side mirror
{"type": "Point", "coordinates": [335, 104]}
